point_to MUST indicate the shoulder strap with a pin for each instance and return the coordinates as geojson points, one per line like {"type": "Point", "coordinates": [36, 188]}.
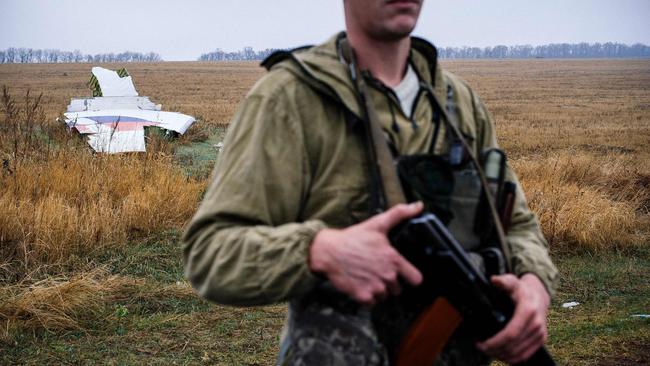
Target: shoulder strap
{"type": "Point", "coordinates": [381, 159]}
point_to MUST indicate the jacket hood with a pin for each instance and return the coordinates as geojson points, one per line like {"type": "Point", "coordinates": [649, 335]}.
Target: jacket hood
{"type": "Point", "coordinates": [322, 68]}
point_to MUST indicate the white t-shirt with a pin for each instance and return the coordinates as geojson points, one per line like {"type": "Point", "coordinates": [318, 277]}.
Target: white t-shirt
{"type": "Point", "coordinates": [407, 90]}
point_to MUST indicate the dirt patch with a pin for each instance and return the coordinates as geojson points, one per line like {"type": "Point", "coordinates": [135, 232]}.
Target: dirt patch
{"type": "Point", "coordinates": [629, 353]}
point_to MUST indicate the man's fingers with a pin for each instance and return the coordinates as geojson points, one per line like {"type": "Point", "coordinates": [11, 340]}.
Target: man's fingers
{"type": "Point", "coordinates": [371, 293]}
{"type": "Point", "coordinates": [365, 298]}
{"type": "Point", "coordinates": [394, 287]}
{"type": "Point", "coordinates": [507, 282]}
{"type": "Point", "coordinates": [535, 336]}
{"type": "Point", "coordinates": [512, 331]}
{"type": "Point", "coordinates": [526, 331]}
{"type": "Point", "coordinates": [522, 351]}
{"type": "Point", "coordinates": [408, 271]}
{"type": "Point", "coordinates": [519, 349]}
{"type": "Point", "coordinates": [391, 281]}
{"type": "Point", "coordinates": [387, 220]}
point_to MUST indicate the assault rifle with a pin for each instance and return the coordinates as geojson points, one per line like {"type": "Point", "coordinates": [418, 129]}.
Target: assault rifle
{"type": "Point", "coordinates": [453, 289]}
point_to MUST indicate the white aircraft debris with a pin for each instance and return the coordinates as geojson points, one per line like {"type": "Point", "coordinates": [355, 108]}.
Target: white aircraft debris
{"type": "Point", "coordinates": [99, 103]}
{"type": "Point", "coordinates": [113, 83]}
{"type": "Point", "coordinates": [570, 305]}
{"type": "Point", "coordinates": [115, 117]}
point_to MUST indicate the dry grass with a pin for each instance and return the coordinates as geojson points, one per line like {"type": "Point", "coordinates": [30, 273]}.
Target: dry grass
{"type": "Point", "coordinates": [74, 302]}
{"type": "Point", "coordinates": [587, 201]}
{"type": "Point", "coordinates": [78, 203]}
{"type": "Point", "coordinates": [548, 105]}
{"type": "Point", "coordinates": [61, 303]}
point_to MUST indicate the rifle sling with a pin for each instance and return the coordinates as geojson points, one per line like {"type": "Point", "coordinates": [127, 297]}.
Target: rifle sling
{"type": "Point", "coordinates": [491, 200]}
{"type": "Point", "coordinates": [393, 192]}
{"type": "Point", "coordinates": [381, 159]}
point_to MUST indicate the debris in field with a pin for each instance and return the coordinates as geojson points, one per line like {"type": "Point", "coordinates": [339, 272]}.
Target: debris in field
{"type": "Point", "coordinates": [115, 117]}
{"type": "Point", "coordinates": [219, 146]}
{"type": "Point", "coordinates": [99, 103]}
{"type": "Point", "coordinates": [109, 83]}
{"type": "Point", "coordinates": [569, 305]}
{"type": "Point", "coordinates": [641, 316]}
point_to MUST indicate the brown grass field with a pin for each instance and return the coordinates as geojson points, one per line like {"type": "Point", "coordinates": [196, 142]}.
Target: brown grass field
{"type": "Point", "coordinates": [90, 268]}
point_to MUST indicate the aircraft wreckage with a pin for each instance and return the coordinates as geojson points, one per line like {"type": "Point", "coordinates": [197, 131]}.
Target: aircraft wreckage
{"type": "Point", "coordinates": [115, 117]}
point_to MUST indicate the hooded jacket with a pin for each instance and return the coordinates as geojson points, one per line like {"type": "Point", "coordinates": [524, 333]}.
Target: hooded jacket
{"type": "Point", "coordinates": [293, 163]}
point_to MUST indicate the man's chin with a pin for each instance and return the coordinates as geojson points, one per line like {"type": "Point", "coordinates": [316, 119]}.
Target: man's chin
{"type": "Point", "coordinates": [395, 33]}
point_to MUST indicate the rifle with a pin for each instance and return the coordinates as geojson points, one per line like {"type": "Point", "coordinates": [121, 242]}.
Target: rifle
{"type": "Point", "coordinates": [465, 294]}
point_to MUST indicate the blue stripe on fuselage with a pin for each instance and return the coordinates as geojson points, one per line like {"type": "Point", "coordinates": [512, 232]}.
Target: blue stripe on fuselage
{"type": "Point", "coordinates": [116, 119]}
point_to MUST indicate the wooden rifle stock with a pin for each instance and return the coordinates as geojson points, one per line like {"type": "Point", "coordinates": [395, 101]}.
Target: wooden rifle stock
{"type": "Point", "coordinates": [424, 342]}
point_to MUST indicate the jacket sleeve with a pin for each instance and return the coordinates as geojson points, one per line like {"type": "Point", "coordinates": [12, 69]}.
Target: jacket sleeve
{"type": "Point", "coordinates": [246, 244]}
{"type": "Point", "coordinates": [529, 248]}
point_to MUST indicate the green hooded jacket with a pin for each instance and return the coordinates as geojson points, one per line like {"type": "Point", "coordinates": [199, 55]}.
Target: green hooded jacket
{"type": "Point", "coordinates": [292, 164]}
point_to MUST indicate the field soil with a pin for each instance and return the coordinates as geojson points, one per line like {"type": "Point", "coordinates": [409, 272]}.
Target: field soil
{"type": "Point", "coordinates": [94, 275]}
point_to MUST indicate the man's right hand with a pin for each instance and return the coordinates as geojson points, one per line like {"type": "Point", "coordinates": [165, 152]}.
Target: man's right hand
{"type": "Point", "coordinates": [360, 261]}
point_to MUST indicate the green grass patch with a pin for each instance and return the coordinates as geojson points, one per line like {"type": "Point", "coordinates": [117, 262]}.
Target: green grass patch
{"type": "Point", "coordinates": [158, 258]}
{"type": "Point", "coordinates": [610, 288]}
{"type": "Point", "coordinates": [198, 157]}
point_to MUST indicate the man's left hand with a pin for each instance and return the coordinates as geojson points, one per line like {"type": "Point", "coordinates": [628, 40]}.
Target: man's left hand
{"type": "Point", "coordinates": [526, 331]}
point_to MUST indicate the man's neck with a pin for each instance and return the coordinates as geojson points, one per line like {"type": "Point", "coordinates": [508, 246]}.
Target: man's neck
{"type": "Point", "coordinates": [385, 60]}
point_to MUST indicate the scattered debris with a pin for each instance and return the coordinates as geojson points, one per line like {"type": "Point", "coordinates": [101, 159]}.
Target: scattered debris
{"type": "Point", "coordinates": [115, 117]}
{"type": "Point", "coordinates": [219, 146]}
{"type": "Point", "coordinates": [570, 305]}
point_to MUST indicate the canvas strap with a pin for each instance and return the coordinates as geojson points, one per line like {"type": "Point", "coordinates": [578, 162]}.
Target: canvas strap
{"type": "Point", "coordinates": [391, 192]}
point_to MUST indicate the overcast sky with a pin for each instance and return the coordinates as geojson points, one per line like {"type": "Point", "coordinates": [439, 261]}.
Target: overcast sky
{"type": "Point", "coordinates": [183, 29]}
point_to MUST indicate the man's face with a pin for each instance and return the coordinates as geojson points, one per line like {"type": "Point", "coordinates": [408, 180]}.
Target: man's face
{"type": "Point", "coordinates": [385, 20]}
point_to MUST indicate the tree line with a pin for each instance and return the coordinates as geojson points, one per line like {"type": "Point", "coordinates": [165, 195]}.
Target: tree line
{"type": "Point", "coordinates": [554, 50]}
{"type": "Point", "coordinates": [246, 54]}
{"type": "Point", "coordinates": [31, 56]}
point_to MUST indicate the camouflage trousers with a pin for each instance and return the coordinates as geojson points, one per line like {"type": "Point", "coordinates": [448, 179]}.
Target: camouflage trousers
{"type": "Point", "coordinates": [327, 328]}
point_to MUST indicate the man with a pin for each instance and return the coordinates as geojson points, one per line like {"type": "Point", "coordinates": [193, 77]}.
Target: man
{"type": "Point", "coordinates": [287, 217]}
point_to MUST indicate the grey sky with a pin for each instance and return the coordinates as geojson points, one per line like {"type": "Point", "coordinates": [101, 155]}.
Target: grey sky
{"type": "Point", "coordinates": [182, 30]}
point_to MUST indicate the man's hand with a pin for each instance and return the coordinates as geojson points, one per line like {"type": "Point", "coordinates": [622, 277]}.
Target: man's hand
{"type": "Point", "coordinates": [360, 261]}
{"type": "Point", "coordinates": [526, 331]}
